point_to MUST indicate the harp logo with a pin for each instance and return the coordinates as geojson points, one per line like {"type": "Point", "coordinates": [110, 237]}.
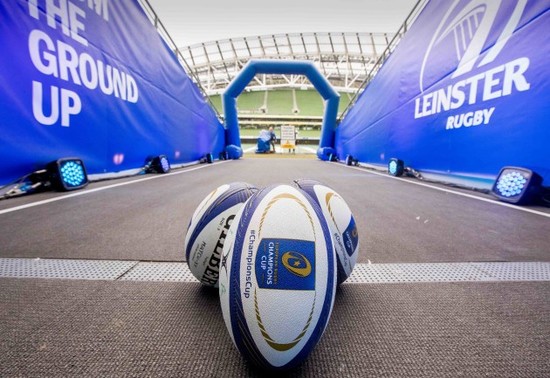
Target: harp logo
{"type": "Point", "coordinates": [471, 34]}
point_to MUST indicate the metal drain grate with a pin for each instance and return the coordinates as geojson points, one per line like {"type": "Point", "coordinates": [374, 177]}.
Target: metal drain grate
{"type": "Point", "coordinates": [372, 273]}
{"type": "Point", "coordinates": [450, 272]}
{"type": "Point", "coordinates": [64, 268]}
{"type": "Point", "coordinates": [395, 273]}
{"type": "Point", "coordinates": [524, 271]}
{"type": "Point", "coordinates": [456, 272]}
{"type": "Point", "coordinates": [362, 273]}
{"type": "Point", "coordinates": [160, 271]}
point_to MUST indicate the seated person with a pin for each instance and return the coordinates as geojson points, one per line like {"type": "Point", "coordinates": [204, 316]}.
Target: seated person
{"type": "Point", "coordinates": [264, 141]}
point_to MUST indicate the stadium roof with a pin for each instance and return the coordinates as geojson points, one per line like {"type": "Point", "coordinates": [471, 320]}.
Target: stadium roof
{"type": "Point", "coordinates": [343, 58]}
{"type": "Point", "coordinates": [348, 60]}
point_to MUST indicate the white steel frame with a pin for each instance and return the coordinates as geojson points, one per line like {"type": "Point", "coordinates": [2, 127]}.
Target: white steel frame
{"type": "Point", "coordinates": [348, 60]}
{"type": "Point", "coordinates": [343, 58]}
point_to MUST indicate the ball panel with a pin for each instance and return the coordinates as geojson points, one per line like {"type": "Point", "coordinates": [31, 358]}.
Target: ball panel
{"type": "Point", "coordinates": [232, 307]}
{"type": "Point", "coordinates": [197, 214]}
{"type": "Point", "coordinates": [351, 237]}
{"type": "Point", "coordinates": [207, 201]}
{"type": "Point", "coordinates": [225, 271]}
{"type": "Point", "coordinates": [342, 224]}
{"type": "Point", "coordinates": [204, 255]}
{"type": "Point", "coordinates": [276, 321]}
{"type": "Point", "coordinates": [208, 229]}
{"type": "Point", "coordinates": [218, 201]}
{"type": "Point", "coordinates": [340, 221]}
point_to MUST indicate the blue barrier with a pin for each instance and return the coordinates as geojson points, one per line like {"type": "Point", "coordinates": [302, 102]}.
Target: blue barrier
{"type": "Point", "coordinates": [295, 67]}
{"type": "Point", "coordinates": [94, 80]}
{"type": "Point", "coordinates": [465, 93]}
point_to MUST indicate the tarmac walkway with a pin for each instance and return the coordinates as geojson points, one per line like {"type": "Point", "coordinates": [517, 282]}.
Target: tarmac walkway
{"type": "Point", "coordinates": [448, 283]}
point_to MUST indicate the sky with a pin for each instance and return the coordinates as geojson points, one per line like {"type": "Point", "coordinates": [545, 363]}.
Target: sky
{"type": "Point", "coordinates": [191, 22]}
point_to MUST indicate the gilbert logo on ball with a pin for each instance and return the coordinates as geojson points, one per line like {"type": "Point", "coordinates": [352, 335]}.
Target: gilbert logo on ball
{"type": "Point", "coordinates": [208, 229]}
{"type": "Point", "coordinates": [277, 277]}
{"type": "Point", "coordinates": [341, 224]}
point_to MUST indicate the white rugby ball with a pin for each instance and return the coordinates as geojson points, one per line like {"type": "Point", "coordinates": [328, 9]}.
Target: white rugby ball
{"type": "Point", "coordinates": [208, 228]}
{"type": "Point", "coordinates": [277, 277]}
{"type": "Point", "coordinates": [340, 221]}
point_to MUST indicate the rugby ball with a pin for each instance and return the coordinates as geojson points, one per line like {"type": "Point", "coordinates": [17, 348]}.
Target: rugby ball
{"type": "Point", "coordinates": [277, 277]}
{"type": "Point", "coordinates": [340, 221]}
{"type": "Point", "coordinates": [208, 228]}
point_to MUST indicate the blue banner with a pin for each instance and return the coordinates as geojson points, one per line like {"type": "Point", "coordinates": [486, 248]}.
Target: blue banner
{"type": "Point", "coordinates": [465, 93]}
{"type": "Point", "coordinates": [94, 80]}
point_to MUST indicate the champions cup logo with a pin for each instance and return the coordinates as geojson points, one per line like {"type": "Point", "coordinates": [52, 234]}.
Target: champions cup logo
{"type": "Point", "coordinates": [297, 264]}
{"type": "Point", "coordinates": [279, 266]}
{"type": "Point", "coordinates": [477, 33]}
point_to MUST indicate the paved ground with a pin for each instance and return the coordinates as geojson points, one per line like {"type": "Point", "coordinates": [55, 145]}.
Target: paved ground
{"type": "Point", "coordinates": [147, 220]}
{"type": "Point", "coordinates": [54, 327]}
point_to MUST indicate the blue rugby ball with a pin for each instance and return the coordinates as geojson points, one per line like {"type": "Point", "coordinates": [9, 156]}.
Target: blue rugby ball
{"type": "Point", "coordinates": [208, 228]}
{"type": "Point", "coordinates": [277, 277]}
{"type": "Point", "coordinates": [341, 223]}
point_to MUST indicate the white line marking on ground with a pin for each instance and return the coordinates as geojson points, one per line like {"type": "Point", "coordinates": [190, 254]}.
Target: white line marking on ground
{"type": "Point", "coordinates": [310, 149]}
{"type": "Point", "coordinates": [494, 202]}
{"type": "Point", "coordinates": [84, 192]}
{"type": "Point", "coordinates": [250, 149]}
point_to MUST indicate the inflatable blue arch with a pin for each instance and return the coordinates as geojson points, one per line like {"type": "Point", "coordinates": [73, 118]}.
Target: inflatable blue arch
{"type": "Point", "coordinates": [294, 67]}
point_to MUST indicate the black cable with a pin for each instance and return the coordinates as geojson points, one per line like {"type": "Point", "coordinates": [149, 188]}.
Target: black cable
{"type": "Point", "coordinates": [29, 183]}
{"type": "Point", "coordinates": [411, 172]}
{"type": "Point", "coordinates": [545, 196]}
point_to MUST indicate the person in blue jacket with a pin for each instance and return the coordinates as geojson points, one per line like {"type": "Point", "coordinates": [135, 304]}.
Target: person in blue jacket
{"type": "Point", "coordinates": [273, 138]}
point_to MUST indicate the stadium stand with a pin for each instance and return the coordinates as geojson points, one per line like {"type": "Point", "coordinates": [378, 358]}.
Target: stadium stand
{"type": "Point", "coordinates": [309, 103]}
{"type": "Point", "coordinates": [301, 106]}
